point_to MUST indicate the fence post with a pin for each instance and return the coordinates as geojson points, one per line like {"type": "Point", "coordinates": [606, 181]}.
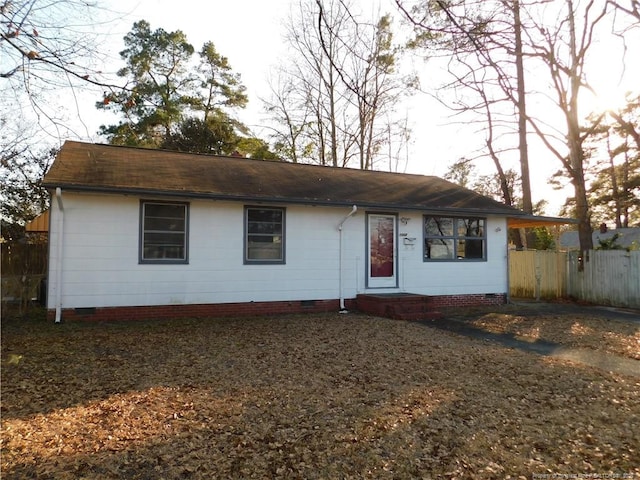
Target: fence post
{"type": "Point", "coordinates": [538, 273]}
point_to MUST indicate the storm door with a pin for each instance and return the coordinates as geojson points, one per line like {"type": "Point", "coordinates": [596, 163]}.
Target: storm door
{"type": "Point", "coordinates": [381, 245]}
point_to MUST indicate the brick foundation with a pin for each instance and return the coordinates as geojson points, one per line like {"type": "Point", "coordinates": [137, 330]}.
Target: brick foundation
{"type": "Point", "coordinates": [198, 311]}
{"type": "Point", "coordinates": [474, 300]}
{"type": "Point", "coordinates": [257, 308]}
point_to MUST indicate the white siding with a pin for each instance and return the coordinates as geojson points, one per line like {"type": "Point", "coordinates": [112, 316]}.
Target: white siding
{"type": "Point", "coordinates": [101, 241]}
{"type": "Point", "coordinates": [452, 278]}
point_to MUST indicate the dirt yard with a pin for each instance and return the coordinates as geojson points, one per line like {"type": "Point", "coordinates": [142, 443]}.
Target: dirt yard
{"type": "Point", "coordinates": [317, 397]}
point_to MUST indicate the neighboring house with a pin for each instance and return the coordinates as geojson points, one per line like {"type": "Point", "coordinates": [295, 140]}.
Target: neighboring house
{"type": "Point", "coordinates": [137, 233]}
{"type": "Point", "coordinates": [627, 238]}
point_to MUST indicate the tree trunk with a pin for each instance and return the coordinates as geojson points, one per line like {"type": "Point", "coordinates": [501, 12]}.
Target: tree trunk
{"type": "Point", "coordinates": [576, 153]}
{"type": "Point", "coordinates": [576, 159]}
{"type": "Point", "coordinates": [583, 214]}
{"type": "Point", "coordinates": [523, 148]}
{"type": "Point", "coordinates": [616, 194]}
{"type": "Point", "coordinates": [527, 202]}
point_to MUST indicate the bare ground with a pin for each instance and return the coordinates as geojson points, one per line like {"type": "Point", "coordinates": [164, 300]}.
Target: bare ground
{"type": "Point", "coordinates": [319, 396]}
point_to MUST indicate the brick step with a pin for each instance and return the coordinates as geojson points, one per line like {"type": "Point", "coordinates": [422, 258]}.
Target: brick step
{"type": "Point", "coordinates": [411, 311]}
{"type": "Point", "coordinates": [408, 307]}
{"type": "Point", "coordinates": [431, 315]}
{"type": "Point", "coordinates": [397, 306]}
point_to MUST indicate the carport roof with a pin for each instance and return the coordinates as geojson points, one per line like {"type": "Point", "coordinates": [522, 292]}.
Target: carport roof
{"type": "Point", "coordinates": [532, 221]}
{"type": "Point", "coordinates": [116, 169]}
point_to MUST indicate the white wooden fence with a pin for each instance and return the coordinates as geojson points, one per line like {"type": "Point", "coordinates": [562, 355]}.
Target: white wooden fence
{"type": "Point", "coordinates": [609, 277]}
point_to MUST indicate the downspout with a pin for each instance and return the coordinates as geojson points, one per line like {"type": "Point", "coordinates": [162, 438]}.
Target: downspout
{"type": "Point", "coordinates": [508, 252]}
{"type": "Point", "coordinates": [351, 213]}
{"type": "Point", "coordinates": [508, 299]}
{"type": "Point", "coordinates": [60, 227]}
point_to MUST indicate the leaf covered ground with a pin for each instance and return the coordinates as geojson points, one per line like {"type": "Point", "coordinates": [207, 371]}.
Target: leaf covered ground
{"type": "Point", "coordinates": [588, 327]}
{"type": "Point", "coordinates": [316, 396]}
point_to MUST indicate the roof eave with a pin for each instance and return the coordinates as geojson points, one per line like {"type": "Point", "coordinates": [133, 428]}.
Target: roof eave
{"type": "Point", "coordinates": [288, 200]}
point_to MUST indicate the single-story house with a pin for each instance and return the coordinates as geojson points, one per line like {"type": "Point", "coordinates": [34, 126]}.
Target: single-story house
{"type": "Point", "coordinates": [139, 233]}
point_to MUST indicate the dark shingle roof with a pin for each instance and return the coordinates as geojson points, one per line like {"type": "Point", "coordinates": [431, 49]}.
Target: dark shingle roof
{"type": "Point", "coordinates": [108, 168]}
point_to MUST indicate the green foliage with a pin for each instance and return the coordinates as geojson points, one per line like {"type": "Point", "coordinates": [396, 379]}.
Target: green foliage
{"type": "Point", "coordinates": [256, 148]}
{"type": "Point", "coordinates": [543, 239]}
{"type": "Point", "coordinates": [194, 135]}
{"type": "Point", "coordinates": [219, 85]}
{"type": "Point", "coordinates": [169, 101]}
{"type": "Point", "coordinates": [609, 243]}
{"type": "Point", "coordinates": [157, 74]}
{"type": "Point", "coordinates": [460, 172]}
{"type": "Point", "coordinates": [613, 152]}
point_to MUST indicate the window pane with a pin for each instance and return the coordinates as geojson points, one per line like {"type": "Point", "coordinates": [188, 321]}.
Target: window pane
{"type": "Point", "coordinates": [264, 248]}
{"type": "Point", "coordinates": [439, 248]}
{"type": "Point", "coordinates": [156, 223]}
{"type": "Point", "coordinates": [264, 215]}
{"type": "Point", "coordinates": [155, 252]}
{"type": "Point", "coordinates": [470, 249]}
{"type": "Point", "coordinates": [471, 227]}
{"type": "Point", "coordinates": [165, 238]}
{"type": "Point", "coordinates": [265, 239]}
{"type": "Point", "coordinates": [438, 227]}
{"type": "Point", "coordinates": [165, 211]}
{"type": "Point", "coordinates": [164, 231]}
{"type": "Point", "coordinates": [265, 229]}
{"type": "Point", "coordinates": [264, 221]}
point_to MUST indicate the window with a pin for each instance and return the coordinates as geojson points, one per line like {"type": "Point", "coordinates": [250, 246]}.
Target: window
{"type": "Point", "coordinates": [163, 232]}
{"type": "Point", "coordinates": [451, 238]}
{"type": "Point", "coordinates": [264, 235]}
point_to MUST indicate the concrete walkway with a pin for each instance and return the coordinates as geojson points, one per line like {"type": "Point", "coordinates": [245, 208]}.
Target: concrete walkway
{"type": "Point", "coordinates": [604, 361]}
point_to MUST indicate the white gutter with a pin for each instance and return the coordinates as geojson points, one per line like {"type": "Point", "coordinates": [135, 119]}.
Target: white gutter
{"type": "Point", "coordinates": [351, 213]}
{"type": "Point", "coordinates": [60, 228]}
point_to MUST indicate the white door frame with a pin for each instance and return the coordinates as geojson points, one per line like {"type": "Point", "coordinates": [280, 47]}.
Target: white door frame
{"type": "Point", "coordinates": [382, 271]}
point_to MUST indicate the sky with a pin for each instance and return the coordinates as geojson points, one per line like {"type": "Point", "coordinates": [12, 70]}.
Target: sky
{"type": "Point", "coordinates": [250, 34]}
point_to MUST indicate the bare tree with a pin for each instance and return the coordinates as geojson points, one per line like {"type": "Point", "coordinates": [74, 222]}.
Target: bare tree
{"type": "Point", "coordinates": [292, 116]}
{"type": "Point", "coordinates": [47, 47]}
{"type": "Point", "coordinates": [341, 86]}
{"type": "Point", "coordinates": [485, 41]}
{"type": "Point", "coordinates": [369, 76]}
{"type": "Point", "coordinates": [630, 7]}
{"type": "Point", "coordinates": [48, 52]}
